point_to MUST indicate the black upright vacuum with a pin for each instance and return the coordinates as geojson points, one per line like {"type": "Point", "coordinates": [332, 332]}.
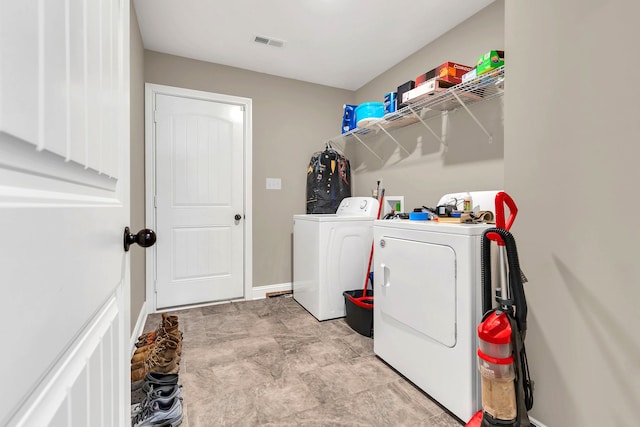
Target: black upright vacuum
{"type": "Point", "coordinates": [507, 389]}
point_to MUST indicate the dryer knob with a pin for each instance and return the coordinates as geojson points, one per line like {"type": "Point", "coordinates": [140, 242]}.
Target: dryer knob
{"type": "Point", "coordinates": [382, 243]}
{"type": "Point", "coordinates": [363, 204]}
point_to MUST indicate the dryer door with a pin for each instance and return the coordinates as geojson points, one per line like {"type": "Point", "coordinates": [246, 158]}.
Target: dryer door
{"type": "Point", "coordinates": [418, 286]}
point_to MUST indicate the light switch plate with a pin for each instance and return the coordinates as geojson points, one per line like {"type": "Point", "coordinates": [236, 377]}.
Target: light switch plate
{"type": "Point", "coordinates": [274, 184]}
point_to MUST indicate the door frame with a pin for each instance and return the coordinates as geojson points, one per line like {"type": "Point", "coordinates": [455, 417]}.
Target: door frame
{"type": "Point", "coordinates": [151, 91]}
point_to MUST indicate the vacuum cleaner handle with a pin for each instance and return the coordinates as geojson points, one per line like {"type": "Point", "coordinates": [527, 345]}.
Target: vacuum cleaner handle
{"type": "Point", "coordinates": [502, 199]}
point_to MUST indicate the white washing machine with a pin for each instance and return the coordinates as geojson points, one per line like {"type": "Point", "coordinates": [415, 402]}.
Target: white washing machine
{"type": "Point", "coordinates": [331, 255]}
{"type": "Point", "coordinates": [428, 305]}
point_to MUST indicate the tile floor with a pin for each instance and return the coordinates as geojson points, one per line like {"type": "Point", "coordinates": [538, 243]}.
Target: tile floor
{"type": "Point", "coordinates": [270, 363]}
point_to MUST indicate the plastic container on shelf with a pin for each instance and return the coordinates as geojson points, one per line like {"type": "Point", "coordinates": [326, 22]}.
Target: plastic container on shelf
{"type": "Point", "coordinates": [390, 102]}
{"type": "Point", "coordinates": [348, 117]}
{"type": "Point", "coordinates": [369, 112]}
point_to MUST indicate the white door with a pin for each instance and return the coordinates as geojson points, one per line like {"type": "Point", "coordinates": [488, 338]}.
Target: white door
{"type": "Point", "coordinates": [64, 202]}
{"type": "Point", "coordinates": [199, 199]}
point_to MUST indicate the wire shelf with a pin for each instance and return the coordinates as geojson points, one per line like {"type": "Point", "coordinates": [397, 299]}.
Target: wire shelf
{"type": "Point", "coordinates": [482, 88]}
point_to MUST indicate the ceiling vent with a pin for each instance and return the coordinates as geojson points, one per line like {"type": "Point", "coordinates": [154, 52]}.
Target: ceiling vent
{"type": "Point", "coordinates": [269, 41]}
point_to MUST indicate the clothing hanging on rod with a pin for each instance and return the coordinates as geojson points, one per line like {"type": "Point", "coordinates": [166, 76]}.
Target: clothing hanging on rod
{"type": "Point", "coordinates": [328, 181]}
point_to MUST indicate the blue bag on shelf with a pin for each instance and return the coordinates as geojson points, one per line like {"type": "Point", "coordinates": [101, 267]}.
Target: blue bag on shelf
{"type": "Point", "coordinates": [349, 118]}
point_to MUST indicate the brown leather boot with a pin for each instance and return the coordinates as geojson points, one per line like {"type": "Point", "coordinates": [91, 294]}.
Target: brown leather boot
{"type": "Point", "coordinates": [142, 353]}
{"type": "Point", "coordinates": [165, 334]}
{"type": "Point", "coordinates": [163, 367]}
{"type": "Point", "coordinates": [163, 331]}
{"type": "Point", "coordinates": [164, 360]}
{"type": "Point", "coordinates": [166, 347]}
{"type": "Point", "coordinates": [148, 338]}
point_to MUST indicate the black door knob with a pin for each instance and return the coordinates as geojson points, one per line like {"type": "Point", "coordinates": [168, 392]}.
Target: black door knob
{"type": "Point", "coordinates": [145, 238]}
{"type": "Point", "coordinates": [238, 217]}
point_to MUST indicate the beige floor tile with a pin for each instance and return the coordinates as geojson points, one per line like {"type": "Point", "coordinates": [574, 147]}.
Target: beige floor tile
{"type": "Point", "coordinates": [270, 363]}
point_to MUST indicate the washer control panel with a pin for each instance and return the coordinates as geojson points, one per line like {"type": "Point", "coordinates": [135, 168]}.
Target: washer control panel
{"type": "Point", "coordinates": [358, 206]}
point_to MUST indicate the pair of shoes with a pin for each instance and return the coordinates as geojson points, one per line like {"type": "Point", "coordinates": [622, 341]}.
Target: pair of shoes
{"type": "Point", "coordinates": [166, 348]}
{"type": "Point", "coordinates": [168, 322]}
{"type": "Point", "coordinates": [163, 359]}
{"type": "Point", "coordinates": [139, 389]}
{"type": "Point", "coordinates": [169, 328]}
{"type": "Point", "coordinates": [142, 352]}
{"type": "Point", "coordinates": [159, 412]}
{"type": "Point", "coordinates": [163, 394]}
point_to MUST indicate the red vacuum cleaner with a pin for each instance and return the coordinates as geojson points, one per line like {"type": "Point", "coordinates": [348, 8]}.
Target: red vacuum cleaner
{"type": "Point", "coordinates": [507, 390]}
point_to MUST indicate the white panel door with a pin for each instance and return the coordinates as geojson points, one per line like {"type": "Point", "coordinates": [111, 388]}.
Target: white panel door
{"type": "Point", "coordinates": [199, 148]}
{"type": "Point", "coordinates": [64, 202]}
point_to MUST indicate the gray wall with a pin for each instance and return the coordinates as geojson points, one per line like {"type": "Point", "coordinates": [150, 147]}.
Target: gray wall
{"type": "Point", "coordinates": [291, 120]}
{"type": "Point", "coordinates": [470, 163]}
{"type": "Point", "coordinates": [137, 166]}
{"type": "Point", "coordinates": [572, 148]}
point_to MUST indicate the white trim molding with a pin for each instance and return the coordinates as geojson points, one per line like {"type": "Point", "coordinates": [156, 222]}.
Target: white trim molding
{"type": "Point", "coordinates": [536, 422]}
{"type": "Point", "coordinates": [137, 330]}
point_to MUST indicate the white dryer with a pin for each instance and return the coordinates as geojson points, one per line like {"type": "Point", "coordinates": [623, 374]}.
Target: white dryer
{"type": "Point", "coordinates": [331, 255]}
{"type": "Point", "coordinates": [427, 306]}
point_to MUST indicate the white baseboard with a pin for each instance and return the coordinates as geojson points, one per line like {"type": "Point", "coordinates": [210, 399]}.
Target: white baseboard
{"type": "Point", "coordinates": [260, 292]}
{"type": "Point", "coordinates": [137, 330]}
{"type": "Point", "coordinates": [536, 422]}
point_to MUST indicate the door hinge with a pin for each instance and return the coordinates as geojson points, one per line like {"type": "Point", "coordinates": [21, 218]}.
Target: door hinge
{"type": "Point", "coordinates": [155, 201]}
{"type": "Point", "coordinates": [155, 116]}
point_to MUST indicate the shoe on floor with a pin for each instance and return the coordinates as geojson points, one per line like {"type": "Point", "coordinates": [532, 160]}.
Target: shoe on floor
{"type": "Point", "coordinates": [159, 413]}
{"type": "Point", "coordinates": [164, 359]}
{"type": "Point", "coordinates": [167, 322]}
{"type": "Point", "coordinates": [143, 352]}
{"type": "Point", "coordinates": [140, 388]}
{"type": "Point", "coordinates": [164, 394]}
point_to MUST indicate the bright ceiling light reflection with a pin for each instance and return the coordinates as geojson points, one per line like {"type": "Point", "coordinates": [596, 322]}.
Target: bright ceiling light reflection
{"type": "Point", "coordinates": [236, 114]}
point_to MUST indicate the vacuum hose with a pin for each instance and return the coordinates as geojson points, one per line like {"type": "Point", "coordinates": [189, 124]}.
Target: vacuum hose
{"type": "Point", "coordinates": [515, 284]}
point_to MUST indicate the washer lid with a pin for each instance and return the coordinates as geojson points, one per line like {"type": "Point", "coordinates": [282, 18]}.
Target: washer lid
{"type": "Point", "coordinates": [330, 218]}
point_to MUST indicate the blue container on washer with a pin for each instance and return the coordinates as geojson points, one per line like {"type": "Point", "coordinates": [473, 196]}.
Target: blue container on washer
{"type": "Point", "coordinates": [369, 112]}
{"type": "Point", "coordinates": [418, 216]}
{"type": "Point", "coordinates": [390, 102]}
{"type": "Point", "coordinates": [348, 118]}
